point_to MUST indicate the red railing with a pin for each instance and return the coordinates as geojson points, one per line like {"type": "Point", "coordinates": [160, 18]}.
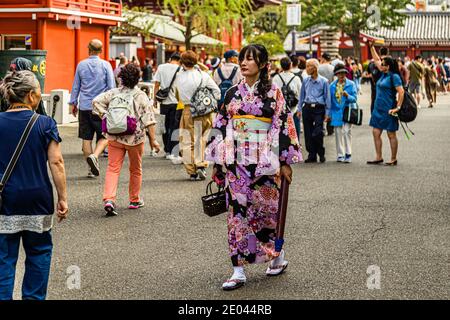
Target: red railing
{"type": "Point", "coordinates": [106, 7]}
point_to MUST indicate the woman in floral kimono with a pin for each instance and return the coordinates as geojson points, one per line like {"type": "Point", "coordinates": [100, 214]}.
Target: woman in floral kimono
{"type": "Point", "coordinates": [255, 141]}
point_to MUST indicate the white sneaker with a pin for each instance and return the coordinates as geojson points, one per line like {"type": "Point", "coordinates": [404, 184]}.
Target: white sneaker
{"type": "Point", "coordinates": [177, 160]}
{"type": "Point", "coordinates": [153, 153]}
{"type": "Point", "coordinates": [91, 175]}
{"type": "Point", "coordinates": [201, 174]}
{"type": "Point", "coordinates": [169, 156]}
{"type": "Point", "coordinates": [94, 165]}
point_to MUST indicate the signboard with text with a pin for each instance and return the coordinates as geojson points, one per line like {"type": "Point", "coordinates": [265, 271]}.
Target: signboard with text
{"type": "Point", "coordinates": [294, 15]}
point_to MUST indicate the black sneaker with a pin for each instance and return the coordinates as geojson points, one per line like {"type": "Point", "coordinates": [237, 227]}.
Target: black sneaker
{"type": "Point", "coordinates": [110, 209]}
{"type": "Point", "coordinates": [322, 159]}
{"type": "Point", "coordinates": [194, 177]}
{"type": "Point", "coordinates": [310, 160]}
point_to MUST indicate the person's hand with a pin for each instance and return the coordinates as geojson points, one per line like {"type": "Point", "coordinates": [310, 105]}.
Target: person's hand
{"type": "Point", "coordinates": [345, 94]}
{"type": "Point", "coordinates": [155, 145]}
{"type": "Point", "coordinates": [62, 210]}
{"type": "Point", "coordinates": [327, 119]}
{"type": "Point", "coordinates": [393, 112]}
{"type": "Point", "coordinates": [74, 110]}
{"type": "Point", "coordinates": [218, 176]}
{"type": "Point", "coordinates": [299, 114]}
{"type": "Point", "coordinates": [286, 172]}
{"type": "Point", "coordinates": [370, 44]}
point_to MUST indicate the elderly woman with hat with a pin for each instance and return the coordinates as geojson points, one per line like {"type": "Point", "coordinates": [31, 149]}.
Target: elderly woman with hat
{"type": "Point", "coordinates": [343, 94]}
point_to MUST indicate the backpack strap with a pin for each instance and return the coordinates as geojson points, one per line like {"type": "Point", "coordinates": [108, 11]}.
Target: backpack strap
{"type": "Point", "coordinates": [15, 157]}
{"type": "Point", "coordinates": [233, 74]}
{"type": "Point", "coordinates": [220, 73]}
{"type": "Point", "coordinates": [281, 78]}
{"type": "Point", "coordinates": [290, 80]}
{"type": "Point", "coordinates": [299, 74]}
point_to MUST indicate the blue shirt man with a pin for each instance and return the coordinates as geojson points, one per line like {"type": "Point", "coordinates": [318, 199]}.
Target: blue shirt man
{"type": "Point", "coordinates": [315, 91]}
{"type": "Point", "coordinates": [314, 107]}
{"type": "Point", "coordinates": [93, 77]}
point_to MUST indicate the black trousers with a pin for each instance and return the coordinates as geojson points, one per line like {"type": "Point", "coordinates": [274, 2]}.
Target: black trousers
{"type": "Point", "coordinates": [171, 123]}
{"type": "Point", "coordinates": [313, 130]}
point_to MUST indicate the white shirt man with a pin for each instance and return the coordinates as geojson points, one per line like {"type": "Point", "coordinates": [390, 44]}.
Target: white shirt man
{"type": "Point", "coordinates": [163, 77]}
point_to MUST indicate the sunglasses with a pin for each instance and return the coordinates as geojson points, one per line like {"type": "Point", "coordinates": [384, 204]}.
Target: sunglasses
{"type": "Point", "coordinates": [384, 65]}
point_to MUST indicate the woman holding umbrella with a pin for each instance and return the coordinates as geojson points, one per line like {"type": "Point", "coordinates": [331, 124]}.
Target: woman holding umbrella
{"type": "Point", "coordinates": [254, 144]}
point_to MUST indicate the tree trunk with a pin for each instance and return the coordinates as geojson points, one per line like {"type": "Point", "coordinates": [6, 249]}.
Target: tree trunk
{"type": "Point", "coordinates": [356, 44]}
{"type": "Point", "coordinates": [188, 34]}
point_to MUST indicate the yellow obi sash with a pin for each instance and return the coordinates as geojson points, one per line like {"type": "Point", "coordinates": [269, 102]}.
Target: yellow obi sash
{"type": "Point", "coordinates": [250, 116]}
{"type": "Point", "coordinates": [251, 128]}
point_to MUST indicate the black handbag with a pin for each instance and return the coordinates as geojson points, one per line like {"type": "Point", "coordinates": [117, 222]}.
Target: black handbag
{"type": "Point", "coordinates": [163, 94]}
{"type": "Point", "coordinates": [12, 163]}
{"type": "Point", "coordinates": [353, 115]}
{"type": "Point", "coordinates": [214, 203]}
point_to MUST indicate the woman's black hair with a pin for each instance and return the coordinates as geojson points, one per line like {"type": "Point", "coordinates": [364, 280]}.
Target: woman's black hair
{"type": "Point", "coordinates": [261, 57]}
{"type": "Point", "coordinates": [130, 75]}
{"type": "Point", "coordinates": [393, 66]}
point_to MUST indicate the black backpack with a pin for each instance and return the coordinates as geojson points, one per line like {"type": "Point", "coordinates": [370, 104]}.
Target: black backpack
{"type": "Point", "coordinates": [408, 110]}
{"type": "Point", "coordinates": [299, 74]}
{"type": "Point", "coordinates": [289, 95]}
{"type": "Point", "coordinates": [226, 84]}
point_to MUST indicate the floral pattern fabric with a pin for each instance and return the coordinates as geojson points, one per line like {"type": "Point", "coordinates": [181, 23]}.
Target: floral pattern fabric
{"type": "Point", "coordinates": [252, 185]}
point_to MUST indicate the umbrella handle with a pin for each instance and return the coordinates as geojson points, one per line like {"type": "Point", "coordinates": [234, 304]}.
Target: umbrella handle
{"type": "Point", "coordinates": [282, 210]}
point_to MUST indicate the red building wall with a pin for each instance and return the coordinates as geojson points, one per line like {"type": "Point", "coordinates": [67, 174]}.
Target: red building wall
{"type": "Point", "coordinates": [65, 46]}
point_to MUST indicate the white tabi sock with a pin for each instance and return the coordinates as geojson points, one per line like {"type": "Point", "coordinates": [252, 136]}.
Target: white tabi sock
{"type": "Point", "coordinates": [278, 261]}
{"type": "Point", "coordinates": [238, 273]}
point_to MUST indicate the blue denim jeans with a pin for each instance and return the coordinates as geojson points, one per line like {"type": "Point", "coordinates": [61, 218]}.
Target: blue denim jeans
{"type": "Point", "coordinates": [38, 250]}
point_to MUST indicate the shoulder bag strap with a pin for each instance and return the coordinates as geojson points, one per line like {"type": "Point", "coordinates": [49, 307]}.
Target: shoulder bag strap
{"type": "Point", "coordinates": [12, 163]}
{"type": "Point", "coordinates": [173, 79]}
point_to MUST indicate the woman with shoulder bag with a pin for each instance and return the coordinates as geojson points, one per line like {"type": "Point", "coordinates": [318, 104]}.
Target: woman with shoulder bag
{"type": "Point", "coordinates": [343, 93]}
{"type": "Point", "coordinates": [387, 104]}
{"type": "Point", "coordinates": [130, 142]}
{"type": "Point", "coordinates": [255, 142]}
{"type": "Point", "coordinates": [187, 84]}
{"type": "Point", "coordinates": [27, 203]}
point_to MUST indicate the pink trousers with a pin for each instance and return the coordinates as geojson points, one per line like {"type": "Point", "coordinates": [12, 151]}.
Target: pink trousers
{"type": "Point", "coordinates": [116, 155]}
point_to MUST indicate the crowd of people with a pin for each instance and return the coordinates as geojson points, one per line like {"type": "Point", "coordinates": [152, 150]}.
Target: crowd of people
{"type": "Point", "coordinates": [250, 118]}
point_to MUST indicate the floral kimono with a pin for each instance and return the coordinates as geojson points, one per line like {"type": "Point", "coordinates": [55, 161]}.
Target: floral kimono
{"type": "Point", "coordinates": [251, 139]}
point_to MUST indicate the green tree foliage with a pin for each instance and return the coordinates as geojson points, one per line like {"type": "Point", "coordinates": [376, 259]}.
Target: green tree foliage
{"type": "Point", "coordinates": [265, 20]}
{"type": "Point", "coordinates": [271, 41]}
{"type": "Point", "coordinates": [354, 16]}
{"type": "Point", "coordinates": [127, 27]}
{"type": "Point", "coordinates": [207, 16]}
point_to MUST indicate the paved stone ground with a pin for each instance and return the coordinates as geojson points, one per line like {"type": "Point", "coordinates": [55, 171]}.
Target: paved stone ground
{"type": "Point", "coordinates": [342, 219]}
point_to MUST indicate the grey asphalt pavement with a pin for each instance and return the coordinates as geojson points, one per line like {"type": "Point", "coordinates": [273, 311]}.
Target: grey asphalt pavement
{"type": "Point", "coordinates": [342, 219]}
